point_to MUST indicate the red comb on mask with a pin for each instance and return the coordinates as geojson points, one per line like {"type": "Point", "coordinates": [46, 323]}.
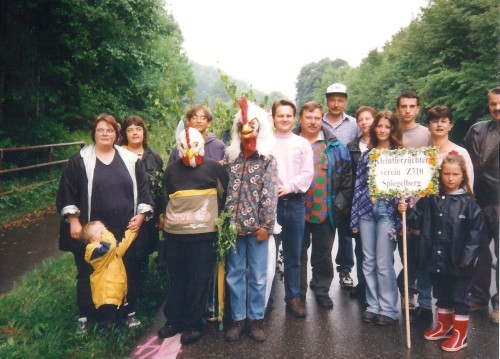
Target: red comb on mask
{"type": "Point", "coordinates": [244, 109]}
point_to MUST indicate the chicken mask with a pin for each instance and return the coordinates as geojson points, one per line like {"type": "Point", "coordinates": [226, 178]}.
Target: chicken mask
{"type": "Point", "coordinates": [191, 146]}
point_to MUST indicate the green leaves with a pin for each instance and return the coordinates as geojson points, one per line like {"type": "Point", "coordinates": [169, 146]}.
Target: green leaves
{"type": "Point", "coordinates": [227, 234]}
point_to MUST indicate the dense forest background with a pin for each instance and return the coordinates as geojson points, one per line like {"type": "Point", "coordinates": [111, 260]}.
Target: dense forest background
{"type": "Point", "coordinates": [63, 61]}
{"type": "Point", "coordinates": [450, 55]}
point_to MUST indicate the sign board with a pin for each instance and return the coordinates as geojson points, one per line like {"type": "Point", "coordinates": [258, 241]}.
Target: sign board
{"type": "Point", "coordinates": [403, 172]}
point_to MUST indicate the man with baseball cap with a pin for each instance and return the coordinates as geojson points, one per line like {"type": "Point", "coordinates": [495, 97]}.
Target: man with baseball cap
{"type": "Point", "coordinates": [346, 129]}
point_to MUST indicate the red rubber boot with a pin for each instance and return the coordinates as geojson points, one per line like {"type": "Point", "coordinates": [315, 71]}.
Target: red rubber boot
{"type": "Point", "coordinates": [444, 327]}
{"type": "Point", "coordinates": [459, 338]}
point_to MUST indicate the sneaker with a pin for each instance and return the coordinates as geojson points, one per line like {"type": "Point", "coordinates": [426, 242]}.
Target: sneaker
{"type": "Point", "coordinates": [256, 332]}
{"type": "Point", "coordinates": [296, 308]}
{"type": "Point", "coordinates": [346, 280]}
{"type": "Point", "coordinates": [234, 333]}
{"type": "Point", "coordinates": [381, 319]}
{"type": "Point", "coordinates": [368, 317]}
{"type": "Point", "coordinates": [494, 316]}
{"type": "Point", "coordinates": [132, 322]}
{"type": "Point", "coordinates": [210, 314]}
{"type": "Point", "coordinates": [421, 315]}
{"type": "Point", "coordinates": [82, 326]}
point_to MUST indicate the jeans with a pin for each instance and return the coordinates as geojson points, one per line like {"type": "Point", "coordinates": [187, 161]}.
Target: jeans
{"type": "Point", "coordinates": [378, 259]}
{"type": "Point", "coordinates": [424, 289]}
{"type": "Point", "coordinates": [291, 216]}
{"type": "Point", "coordinates": [452, 292]}
{"type": "Point", "coordinates": [321, 236]}
{"type": "Point", "coordinates": [345, 257]}
{"type": "Point", "coordinates": [247, 278]}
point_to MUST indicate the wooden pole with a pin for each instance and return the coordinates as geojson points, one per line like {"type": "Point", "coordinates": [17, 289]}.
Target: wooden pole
{"type": "Point", "coordinates": [221, 275]}
{"type": "Point", "coordinates": [405, 272]}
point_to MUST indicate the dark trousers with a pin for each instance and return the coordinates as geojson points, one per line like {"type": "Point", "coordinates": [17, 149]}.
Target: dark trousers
{"type": "Point", "coordinates": [134, 266]}
{"type": "Point", "coordinates": [411, 263]}
{"type": "Point", "coordinates": [189, 268]}
{"type": "Point", "coordinates": [452, 292]}
{"type": "Point", "coordinates": [321, 236]}
{"type": "Point", "coordinates": [358, 252]}
{"type": "Point", "coordinates": [86, 306]}
{"type": "Point", "coordinates": [107, 314]}
{"type": "Point", "coordinates": [480, 291]}
{"type": "Point", "coordinates": [345, 257]}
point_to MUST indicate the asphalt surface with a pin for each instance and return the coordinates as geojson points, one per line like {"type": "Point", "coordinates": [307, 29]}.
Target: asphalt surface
{"type": "Point", "coordinates": [336, 333]}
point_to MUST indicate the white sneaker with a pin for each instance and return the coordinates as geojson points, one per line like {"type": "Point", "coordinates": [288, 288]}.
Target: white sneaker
{"type": "Point", "coordinates": [132, 322]}
{"type": "Point", "coordinates": [82, 326]}
{"type": "Point", "coordinates": [346, 280]}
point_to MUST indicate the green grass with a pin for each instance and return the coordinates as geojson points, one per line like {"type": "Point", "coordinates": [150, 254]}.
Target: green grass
{"type": "Point", "coordinates": [38, 318]}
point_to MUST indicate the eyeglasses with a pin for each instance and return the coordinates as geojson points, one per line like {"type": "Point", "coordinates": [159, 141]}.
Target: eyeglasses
{"type": "Point", "coordinates": [106, 131]}
{"type": "Point", "coordinates": [435, 121]}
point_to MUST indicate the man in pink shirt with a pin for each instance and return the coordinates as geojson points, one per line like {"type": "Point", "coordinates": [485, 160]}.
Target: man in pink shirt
{"type": "Point", "coordinates": [295, 172]}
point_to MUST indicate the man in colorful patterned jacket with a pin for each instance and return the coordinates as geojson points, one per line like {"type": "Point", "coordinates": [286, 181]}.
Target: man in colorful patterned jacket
{"type": "Point", "coordinates": [251, 198]}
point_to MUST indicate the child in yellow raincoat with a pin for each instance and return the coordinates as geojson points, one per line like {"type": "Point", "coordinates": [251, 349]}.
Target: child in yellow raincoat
{"type": "Point", "coordinates": [109, 279]}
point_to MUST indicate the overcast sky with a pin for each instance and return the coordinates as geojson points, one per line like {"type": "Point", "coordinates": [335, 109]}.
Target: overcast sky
{"type": "Point", "coordinates": [266, 42]}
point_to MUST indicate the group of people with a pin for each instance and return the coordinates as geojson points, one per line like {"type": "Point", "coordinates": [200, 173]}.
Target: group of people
{"type": "Point", "coordinates": [302, 184]}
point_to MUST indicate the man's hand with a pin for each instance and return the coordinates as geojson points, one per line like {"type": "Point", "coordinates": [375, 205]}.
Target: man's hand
{"type": "Point", "coordinates": [261, 234]}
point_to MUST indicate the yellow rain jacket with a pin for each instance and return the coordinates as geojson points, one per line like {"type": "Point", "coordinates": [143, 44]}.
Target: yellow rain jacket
{"type": "Point", "coordinates": [109, 279]}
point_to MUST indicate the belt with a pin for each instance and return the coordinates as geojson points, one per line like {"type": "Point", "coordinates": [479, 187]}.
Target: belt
{"type": "Point", "coordinates": [289, 196]}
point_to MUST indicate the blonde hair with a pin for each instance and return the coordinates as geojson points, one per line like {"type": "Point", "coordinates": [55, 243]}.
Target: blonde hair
{"type": "Point", "coordinates": [88, 231]}
{"type": "Point", "coordinates": [456, 159]}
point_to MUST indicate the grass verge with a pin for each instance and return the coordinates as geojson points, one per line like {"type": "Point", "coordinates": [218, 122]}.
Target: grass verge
{"type": "Point", "coordinates": [38, 318]}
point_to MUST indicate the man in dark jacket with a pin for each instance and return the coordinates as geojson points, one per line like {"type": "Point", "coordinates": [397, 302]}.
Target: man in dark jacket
{"type": "Point", "coordinates": [328, 196]}
{"type": "Point", "coordinates": [481, 141]}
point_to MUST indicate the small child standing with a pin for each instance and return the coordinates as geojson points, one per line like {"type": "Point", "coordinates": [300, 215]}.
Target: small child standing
{"type": "Point", "coordinates": [451, 226]}
{"type": "Point", "coordinates": [109, 279]}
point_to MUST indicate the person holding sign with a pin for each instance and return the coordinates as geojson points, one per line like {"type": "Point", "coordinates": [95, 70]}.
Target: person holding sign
{"type": "Point", "coordinates": [451, 226]}
{"type": "Point", "coordinates": [377, 222]}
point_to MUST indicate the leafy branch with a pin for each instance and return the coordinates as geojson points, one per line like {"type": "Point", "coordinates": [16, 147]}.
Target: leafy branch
{"type": "Point", "coordinates": [227, 233]}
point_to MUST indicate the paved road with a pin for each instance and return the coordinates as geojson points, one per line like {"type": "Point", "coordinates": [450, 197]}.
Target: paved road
{"type": "Point", "coordinates": [337, 333]}
{"type": "Point", "coordinates": [27, 245]}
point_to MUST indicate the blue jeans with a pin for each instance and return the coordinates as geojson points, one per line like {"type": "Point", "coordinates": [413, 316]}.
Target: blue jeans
{"type": "Point", "coordinates": [378, 262]}
{"type": "Point", "coordinates": [345, 257]}
{"type": "Point", "coordinates": [291, 215]}
{"type": "Point", "coordinates": [424, 289]}
{"type": "Point", "coordinates": [247, 278]}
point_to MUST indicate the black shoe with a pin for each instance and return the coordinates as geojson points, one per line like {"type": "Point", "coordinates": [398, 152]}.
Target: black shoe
{"type": "Point", "coordinates": [358, 292]}
{"type": "Point", "coordinates": [324, 301]}
{"type": "Point", "coordinates": [169, 330]}
{"type": "Point", "coordinates": [381, 319]}
{"type": "Point", "coordinates": [190, 336]}
{"type": "Point", "coordinates": [368, 317]}
{"type": "Point", "coordinates": [421, 315]}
